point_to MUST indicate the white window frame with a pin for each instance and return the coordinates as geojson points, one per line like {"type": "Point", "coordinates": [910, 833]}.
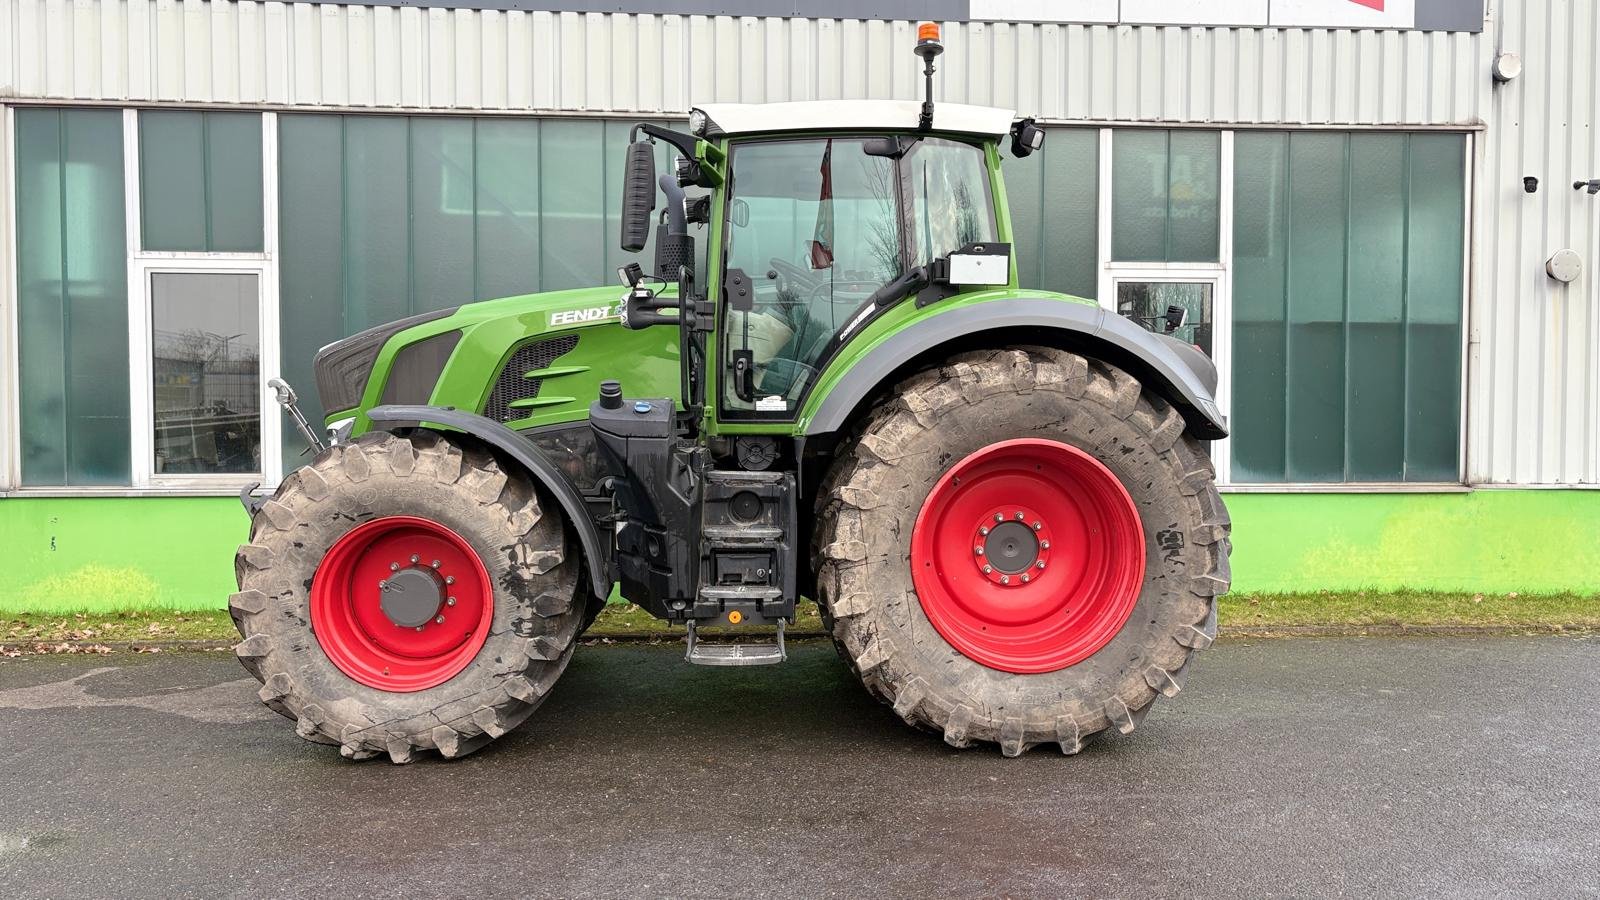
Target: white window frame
{"type": "Point", "coordinates": [10, 367]}
{"type": "Point", "coordinates": [1219, 274]}
{"type": "Point", "coordinates": [142, 264]}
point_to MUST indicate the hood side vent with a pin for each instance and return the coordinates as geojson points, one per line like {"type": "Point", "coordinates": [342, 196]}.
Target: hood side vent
{"type": "Point", "coordinates": [513, 383]}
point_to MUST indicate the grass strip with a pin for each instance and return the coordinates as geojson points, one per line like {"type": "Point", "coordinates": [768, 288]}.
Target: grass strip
{"type": "Point", "coordinates": [1247, 612]}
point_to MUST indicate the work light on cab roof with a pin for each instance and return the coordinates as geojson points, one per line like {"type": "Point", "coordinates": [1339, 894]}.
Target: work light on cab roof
{"type": "Point", "coordinates": [999, 496]}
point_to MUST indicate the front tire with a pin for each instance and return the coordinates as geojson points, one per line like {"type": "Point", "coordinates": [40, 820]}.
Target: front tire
{"type": "Point", "coordinates": [1022, 547]}
{"type": "Point", "coordinates": [354, 667]}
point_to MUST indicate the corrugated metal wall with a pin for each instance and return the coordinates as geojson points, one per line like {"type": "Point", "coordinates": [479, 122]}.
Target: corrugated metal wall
{"type": "Point", "coordinates": [355, 56]}
{"type": "Point", "coordinates": [1534, 403]}
{"type": "Point", "coordinates": [1535, 382]}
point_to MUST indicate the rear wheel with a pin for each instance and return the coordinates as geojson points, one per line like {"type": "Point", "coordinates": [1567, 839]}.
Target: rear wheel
{"type": "Point", "coordinates": [1022, 547]}
{"type": "Point", "coordinates": [403, 594]}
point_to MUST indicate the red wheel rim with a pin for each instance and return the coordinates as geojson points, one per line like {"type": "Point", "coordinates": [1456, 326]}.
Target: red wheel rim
{"type": "Point", "coordinates": [1028, 556]}
{"type": "Point", "coordinates": [361, 638]}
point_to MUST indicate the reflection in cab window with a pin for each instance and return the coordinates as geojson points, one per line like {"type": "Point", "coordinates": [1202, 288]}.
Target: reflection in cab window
{"type": "Point", "coordinates": [817, 228]}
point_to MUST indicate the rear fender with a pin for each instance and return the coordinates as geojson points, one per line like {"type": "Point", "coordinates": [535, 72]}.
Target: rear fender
{"type": "Point", "coordinates": [530, 457]}
{"type": "Point", "coordinates": [1179, 373]}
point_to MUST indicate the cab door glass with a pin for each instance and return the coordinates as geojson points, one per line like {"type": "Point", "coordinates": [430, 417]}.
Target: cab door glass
{"type": "Point", "coordinates": [949, 190]}
{"type": "Point", "coordinates": [819, 236]}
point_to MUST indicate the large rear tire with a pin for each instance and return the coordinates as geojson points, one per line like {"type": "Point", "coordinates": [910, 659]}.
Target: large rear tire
{"type": "Point", "coordinates": [424, 514]}
{"type": "Point", "coordinates": [1021, 547]}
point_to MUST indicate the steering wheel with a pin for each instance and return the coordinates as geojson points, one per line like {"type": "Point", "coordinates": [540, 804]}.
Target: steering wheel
{"type": "Point", "coordinates": [790, 276]}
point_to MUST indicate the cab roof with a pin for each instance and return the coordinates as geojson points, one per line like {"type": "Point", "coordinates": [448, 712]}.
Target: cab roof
{"type": "Point", "coordinates": [872, 115]}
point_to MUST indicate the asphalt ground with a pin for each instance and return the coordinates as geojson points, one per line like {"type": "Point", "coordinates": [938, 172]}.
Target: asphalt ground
{"type": "Point", "coordinates": [1404, 767]}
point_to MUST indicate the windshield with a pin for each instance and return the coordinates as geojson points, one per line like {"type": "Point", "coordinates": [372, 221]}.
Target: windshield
{"type": "Point", "coordinates": [817, 226]}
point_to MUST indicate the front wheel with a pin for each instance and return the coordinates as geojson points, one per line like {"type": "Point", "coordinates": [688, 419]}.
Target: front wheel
{"type": "Point", "coordinates": [404, 593]}
{"type": "Point", "coordinates": [1022, 547]}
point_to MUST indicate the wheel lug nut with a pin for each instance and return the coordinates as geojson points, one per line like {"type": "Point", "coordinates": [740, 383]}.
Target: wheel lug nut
{"type": "Point", "coordinates": [984, 530]}
{"type": "Point", "coordinates": [1020, 516]}
{"type": "Point", "coordinates": [1037, 526]}
{"type": "Point", "coordinates": [383, 585]}
{"type": "Point", "coordinates": [449, 579]}
{"type": "Point", "coordinates": [440, 620]}
{"type": "Point", "coordinates": [1005, 579]}
{"type": "Point", "coordinates": [1039, 564]}
{"type": "Point", "coordinates": [415, 558]}
{"type": "Point", "coordinates": [436, 564]}
{"type": "Point", "coordinates": [978, 550]}
{"type": "Point", "coordinates": [1044, 545]}
{"type": "Point", "coordinates": [394, 567]}
{"type": "Point", "coordinates": [1024, 578]}
{"type": "Point", "coordinates": [999, 517]}
{"type": "Point", "coordinates": [419, 627]}
{"type": "Point", "coordinates": [988, 569]}
{"type": "Point", "coordinates": [449, 601]}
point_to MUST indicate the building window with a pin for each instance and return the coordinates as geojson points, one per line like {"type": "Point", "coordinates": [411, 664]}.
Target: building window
{"type": "Point", "coordinates": [1054, 197]}
{"type": "Point", "coordinates": [200, 181]}
{"type": "Point", "coordinates": [1347, 306]}
{"type": "Point", "coordinates": [206, 368]}
{"type": "Point", "coordinates": [1165, 195]}
{"type": "Point", "coordinates": [382, 217]}
{"type": "Point", "coordinates": [72, 293]}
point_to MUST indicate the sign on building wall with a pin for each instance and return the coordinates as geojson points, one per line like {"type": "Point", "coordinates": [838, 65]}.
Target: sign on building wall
{"type": "Point", "coordinates": [1430, 15]}
{"type": "Point", "coordinates": [1451, 15]}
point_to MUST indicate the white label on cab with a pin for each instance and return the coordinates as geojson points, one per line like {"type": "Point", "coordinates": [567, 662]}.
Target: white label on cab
{"type": "Point", "coordinates": [973, 268]}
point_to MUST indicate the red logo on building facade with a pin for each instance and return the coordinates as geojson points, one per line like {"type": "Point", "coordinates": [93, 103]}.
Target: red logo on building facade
{"type": "Point", "coordinates": [1375, 4]}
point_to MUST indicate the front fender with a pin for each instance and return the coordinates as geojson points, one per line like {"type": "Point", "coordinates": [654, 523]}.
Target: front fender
{"type": "Point", "coordinates": [523, 451]}
{"type": "Point", "coordinates": [1180, 374]}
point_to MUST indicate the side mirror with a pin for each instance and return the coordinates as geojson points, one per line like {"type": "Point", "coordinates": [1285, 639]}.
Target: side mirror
{"type": "Point", "coordinates": [638, 195]}
{"type": "Point", "coordinates": [739, 213]}
{"type": "Point", "coordinates": [1175, 317]}
{"type": "Point", "coordinates": [1026, 138]}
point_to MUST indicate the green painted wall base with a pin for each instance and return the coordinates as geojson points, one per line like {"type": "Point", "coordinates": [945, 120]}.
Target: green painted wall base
{"type": "Point", "coordinates": [104, 554]}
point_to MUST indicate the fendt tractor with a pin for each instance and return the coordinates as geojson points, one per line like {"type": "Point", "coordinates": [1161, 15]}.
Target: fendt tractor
{"type": "Point", "coordinates": [1000, 498]}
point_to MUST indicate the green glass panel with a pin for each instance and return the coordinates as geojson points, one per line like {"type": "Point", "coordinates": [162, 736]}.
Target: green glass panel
{"type": "Point", "coordinates": [172, 182]}
{"type": "Point", "coordinates": [1025, 195]}
{"type": "Point", "coordinates": [1054, 197]}
{"type": "Point", "coordinates": [1434, 237]}
{"type": "Point", "coordinates": [378, 251]}
{"type": "Point", "coordinates": [1363, 266]}
{"type": "Point", "coordinates": [72, 298]}
{"type": "Point", "coordinates": [1070, 261]}
{"type": "Point", "coordinates": [233, 182]}
{"type": "Point", "coordinates": [1139, 183]}
{"type": "Point", "coordinates": [1260, 266]}
{"type": "Point", "coordinates": [200, 181]}
{"type": "Point", "coordinates": [311, 277]}
{"type": "Point", "coordinates": [507, 201]}
{"type": "Point", "coordinates": [572, 178]}
{"type": "Point", "coordinates": [442, 227]}
{"type": "Point", "coordinates": [1194, 181]}
{"type": "Point", "coordinates": [1376, 362]}
{"type": "Point", "coordinates": [1316, 352]}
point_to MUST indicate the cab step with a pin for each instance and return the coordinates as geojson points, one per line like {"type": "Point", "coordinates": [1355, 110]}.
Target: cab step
{"type": "Point", "coordinates": [735, 654]}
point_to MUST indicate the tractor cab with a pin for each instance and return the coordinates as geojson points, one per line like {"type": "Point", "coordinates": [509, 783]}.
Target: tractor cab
{"type": "Point", "coordinates": [822, 218]}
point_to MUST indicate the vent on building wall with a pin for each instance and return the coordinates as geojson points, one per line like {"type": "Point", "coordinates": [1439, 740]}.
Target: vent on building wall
{"type": "Point", "coordinates": [513, 383]}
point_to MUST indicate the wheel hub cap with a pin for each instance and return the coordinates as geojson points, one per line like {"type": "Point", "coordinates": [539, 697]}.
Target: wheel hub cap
{"type": "Point", "coordinates": [411, 597]}
{"type": "Point", "coordinates": [1028, 556]}
{"type": "Point", "coordinates": [401, 603]}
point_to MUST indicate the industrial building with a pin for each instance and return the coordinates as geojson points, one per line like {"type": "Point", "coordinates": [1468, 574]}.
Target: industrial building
{"type": "Point", "coordinates": [1383, 218]}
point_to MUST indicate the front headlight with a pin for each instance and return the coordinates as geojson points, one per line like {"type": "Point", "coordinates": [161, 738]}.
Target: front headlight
{"type": "Point", "coordinates": [343, 367]}
{"type": "Point", "coordinates": [697, 122]}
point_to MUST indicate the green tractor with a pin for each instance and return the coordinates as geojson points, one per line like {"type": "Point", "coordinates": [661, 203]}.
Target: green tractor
{"type": "Point", "coordinates": [1000, 498]}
